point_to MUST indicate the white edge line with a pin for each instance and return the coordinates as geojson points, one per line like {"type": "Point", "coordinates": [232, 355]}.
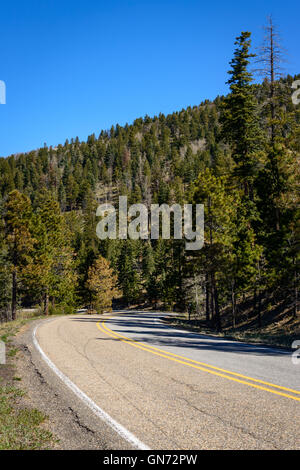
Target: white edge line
{"type": "Point", "coordinates": [123, 432]}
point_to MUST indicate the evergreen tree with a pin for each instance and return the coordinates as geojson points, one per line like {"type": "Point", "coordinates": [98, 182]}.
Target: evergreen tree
{"type": "Point", "coordinates": [101, 284]}
{"type": "Point", "coordinates": [18, 239]}
{"type": "Point", "coordinates": [239, 121]}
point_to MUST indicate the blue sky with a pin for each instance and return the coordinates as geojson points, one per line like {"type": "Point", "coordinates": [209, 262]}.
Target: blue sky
{"type": "Point", "coordinates": [72, 68]}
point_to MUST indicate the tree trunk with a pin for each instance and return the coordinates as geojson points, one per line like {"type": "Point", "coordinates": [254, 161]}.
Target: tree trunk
{"type": "Point", "coordinates": [14, 295]}
{"type": "Point", "coordinates": [295, 295]}
{"type": "Point", "coordinates": [254, 300]}
{"type": "Point", "coordinates": [277, 218]}
{"type": "Point", "coordinates": [46, 303]}
{"type": "Point", "coordinates": [233, 306]}
{"type": "Point", "coordinates": [211, 295]}
{"type": "Point", "coordinates": [272, 88]}
{"type": "Point", "coordinates": [216, 302]}
{"type": "Point", "coordinates": [259, 310]}
{"type": "Point", "coordinates": [207, 299]}
{"type": "Point", "coordinates": [259, 295]}
{"type": "Point", "coordinates": [210, 259]}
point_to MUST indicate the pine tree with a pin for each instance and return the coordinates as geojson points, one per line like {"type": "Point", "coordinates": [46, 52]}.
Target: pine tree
{"type": "Point", "coordinates": [239, 120]}
{"type": "Point", "coordinates": [220, 208]}
{"type": "Point", "coordinates": [18, 239]}
{"type": "Point", "coordinates": [129, 271]}
{"type": "Point", "coordinates": [51, 272]}
{"type": "Point", "coordinates": [102, 285]}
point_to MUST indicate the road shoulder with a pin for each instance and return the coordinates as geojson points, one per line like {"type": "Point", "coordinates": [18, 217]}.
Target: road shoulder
{"type": "Point", "coordinates": [69, 419]}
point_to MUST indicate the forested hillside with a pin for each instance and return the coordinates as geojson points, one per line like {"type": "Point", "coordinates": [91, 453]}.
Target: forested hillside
{"type": "Point", "coordinates": [238, 155]}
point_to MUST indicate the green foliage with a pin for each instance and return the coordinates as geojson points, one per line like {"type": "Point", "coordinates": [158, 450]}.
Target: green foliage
{"type": "Point", "coordinates": [240, 126]}
{"type": "Point", "coordinates": [219, 153]}
{"type": "Point", "coordinates": [101, 285]}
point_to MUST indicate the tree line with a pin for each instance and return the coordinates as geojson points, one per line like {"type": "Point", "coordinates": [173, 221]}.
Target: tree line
{"type": "Point", "coordinates": [238, 155]}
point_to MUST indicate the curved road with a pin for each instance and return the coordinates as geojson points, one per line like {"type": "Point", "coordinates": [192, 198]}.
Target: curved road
{"type": "Point", "coordinates": [173, 389]}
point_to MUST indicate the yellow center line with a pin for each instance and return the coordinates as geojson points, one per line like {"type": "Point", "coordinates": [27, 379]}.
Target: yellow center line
{"type": "Point", "coordinates": [192, 363]}
{"type": "Point", "coordinates": [202, 363]}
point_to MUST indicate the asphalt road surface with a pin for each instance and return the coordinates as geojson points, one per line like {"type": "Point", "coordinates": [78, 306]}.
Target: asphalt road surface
{"type": "Point", "coordinates": [163, 388]}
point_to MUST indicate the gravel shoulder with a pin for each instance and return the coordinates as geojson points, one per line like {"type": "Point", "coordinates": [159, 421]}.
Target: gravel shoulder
{"type": "Point", "coordinates": [69, 419]}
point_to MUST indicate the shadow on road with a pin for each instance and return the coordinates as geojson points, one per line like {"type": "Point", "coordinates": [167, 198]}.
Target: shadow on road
{"type": "Point", "coordinates": [144, 328]}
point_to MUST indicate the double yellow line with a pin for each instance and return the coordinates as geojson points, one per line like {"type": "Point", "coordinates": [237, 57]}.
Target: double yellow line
{"type": "Point", "coordinates": [243, 379]}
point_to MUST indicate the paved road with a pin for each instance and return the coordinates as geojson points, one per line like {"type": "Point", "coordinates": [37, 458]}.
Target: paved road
{"type": "Point", "coordinates": [173, 389]}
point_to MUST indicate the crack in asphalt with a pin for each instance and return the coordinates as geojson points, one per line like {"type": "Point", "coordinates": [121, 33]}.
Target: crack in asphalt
{"type": "Point", "coordinates": [36, 370]}
{"type": "Point", "coordinates": [63, 416]}
{"type": "Point", "coordinates": [107, 382]}
{"type": "Point", "coordinates": [262, 427]}
{"type": "Point", "coordinates": [227, 422]}
{"type": "Point", "coordinates": [193, 388]}
{"type": "Point", "coordinates": [78, 421]}
{"type": "Point", "coordinates": [91, 361]}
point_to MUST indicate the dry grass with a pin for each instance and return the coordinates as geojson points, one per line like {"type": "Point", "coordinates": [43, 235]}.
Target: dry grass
{"type": "Point", "coordinates": [21, 427]}
{"type": "Point", "coordinates": [279, 328]}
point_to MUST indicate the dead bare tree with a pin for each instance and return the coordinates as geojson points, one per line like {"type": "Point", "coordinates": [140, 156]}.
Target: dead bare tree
{"type": "Point", "coordinates": [270, 57]}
